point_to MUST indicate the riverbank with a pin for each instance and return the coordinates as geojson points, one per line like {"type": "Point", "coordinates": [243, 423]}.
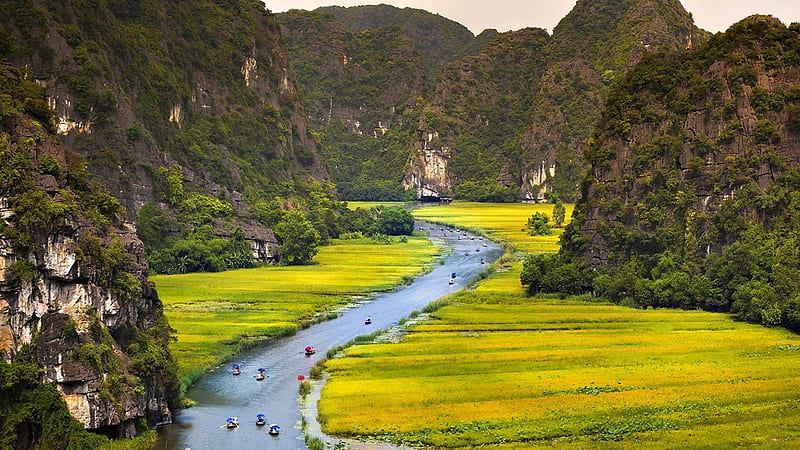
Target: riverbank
{"type": "Point", "coordinates": [219, 394]}
{"type": "Point", "coordinates": [499, 368]}
{"type": "Point", "coordinates": [217, 315]}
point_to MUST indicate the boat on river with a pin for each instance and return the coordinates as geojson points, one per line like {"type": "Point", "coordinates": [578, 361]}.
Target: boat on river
{"type": "Point", "coordinates": [232, 422]}
{"type": "Point", "coordinates": [261, 420]}
{"type": "Point", "coordinates": [310, 350]}
{"type": "Point", "coordinates": [274, 430]}
{"type": "Point", "coordinates": [260, 376]}
{"type": "Point", "coordinates": [368, 320]}
{"type": "Point", "coordinates": [236, 369]}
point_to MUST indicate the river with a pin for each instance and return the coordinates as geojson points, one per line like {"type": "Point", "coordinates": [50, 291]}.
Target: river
{"type": "Point", "coordinates": [219, 394]}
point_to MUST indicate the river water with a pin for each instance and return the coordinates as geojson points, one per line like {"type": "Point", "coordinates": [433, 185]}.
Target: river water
{"type": "Point", "coordinates": [220, 395]}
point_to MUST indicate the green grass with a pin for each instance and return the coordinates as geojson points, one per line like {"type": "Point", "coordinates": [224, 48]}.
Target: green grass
{"type": "Point", "coordinates": [218, 314]}
{"type": "Point", "coordinates": [497, 369]}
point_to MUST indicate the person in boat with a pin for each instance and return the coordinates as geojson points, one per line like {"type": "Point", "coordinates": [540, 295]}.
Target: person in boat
{"type": "Point", "coordinates": [236, 369]}
{"type": "Point", "coordinates": [261, 420]}
{"type": "Point", "coordinates": [260, 375]}
{"type": "Point", "coordinates": [274, 429]}
{"type": "Point", "coordinates": [232, 422]}
{"type": "Point", "coordinates": [310, 350]}
{"type": "Point", "coordinates": [368, 320]}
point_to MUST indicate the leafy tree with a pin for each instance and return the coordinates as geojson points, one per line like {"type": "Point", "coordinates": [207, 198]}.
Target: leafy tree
{"type": "Point", "coordinates": [534, 268]}
{"type": "Point", "coordinates": [538, 224]}
{"type": "Point", "coordinates": [559, 213]}
{"type": "Point", "coordinates": [396, 221]}
{"type": "Point", "coordinates": [298, 238]}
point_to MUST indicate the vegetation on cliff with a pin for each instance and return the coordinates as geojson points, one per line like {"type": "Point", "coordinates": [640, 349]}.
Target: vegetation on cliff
{"type": "Point", "coordinates": [438, 39]}
{"type": "Point", "coordinates": [69, 263]}
{"type": "Point", "coordinates": [691, 201]}
{"type": "Point", "coordinates": [147, 88]}
{"type": "Point", "coordinates": [362, 92]}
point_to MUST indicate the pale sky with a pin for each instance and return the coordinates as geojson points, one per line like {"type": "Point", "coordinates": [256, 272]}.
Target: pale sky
{"type": "Point", "coordinates": [505, 15]}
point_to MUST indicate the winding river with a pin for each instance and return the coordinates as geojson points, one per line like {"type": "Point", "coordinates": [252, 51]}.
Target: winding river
{"type": "Point", "coordinates": [219, 394]}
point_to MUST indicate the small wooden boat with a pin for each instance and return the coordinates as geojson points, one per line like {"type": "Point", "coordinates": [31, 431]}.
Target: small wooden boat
{"type": "Point", "coordinates": [232, 422]}
{"type": "Point", "coordinates": [274, 430]}
{"type": "Point", "coordinates": [261, 420]}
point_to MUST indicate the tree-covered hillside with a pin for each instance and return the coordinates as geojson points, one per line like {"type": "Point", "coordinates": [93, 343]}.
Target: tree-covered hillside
{"type": "Point", "coordinates": [538, 143]}
{"type": "Point", "coordinates": [692, 195]}
{"type": "Point", "coordinates": [438, 39]}
{"type": "Point", "coordinates": [362, 92]}
{"type": "Point", "coordinates": [139, 86]}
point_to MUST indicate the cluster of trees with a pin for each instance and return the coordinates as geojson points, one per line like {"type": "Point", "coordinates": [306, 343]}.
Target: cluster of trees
{"type": "Point", "coordinates": [672, 231]}
{"type": "Point", "coordinates": [185, 237]}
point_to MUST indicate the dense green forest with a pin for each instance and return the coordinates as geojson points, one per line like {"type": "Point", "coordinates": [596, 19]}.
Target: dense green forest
{"type": "Point", "coordinates": [689, 203]}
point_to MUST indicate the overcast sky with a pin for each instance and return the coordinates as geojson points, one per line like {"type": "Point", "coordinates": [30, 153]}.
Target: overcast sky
{"type": "Point", "coordinates": [505, 15]}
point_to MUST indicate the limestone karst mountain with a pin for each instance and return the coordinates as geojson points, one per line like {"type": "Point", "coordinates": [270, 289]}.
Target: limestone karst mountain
{"type": "Point", "coordinates": [202, 88]}
{"type": "Point", "coordinates": [691, 200]}
{"type": "Point", "coordinates": [507, 123]}
{"type": "Point", "coordinates": [76, 310]}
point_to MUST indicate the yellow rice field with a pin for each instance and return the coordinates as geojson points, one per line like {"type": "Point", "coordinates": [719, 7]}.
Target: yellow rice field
{"type": "Point", "coordinates": [498, 369]}
{"type": "Point", "coordinates": [217, 314]}
{"type": "Point", "coordinates": [501, 221]}
{"type": "Point", "coordinates": [535, 372]}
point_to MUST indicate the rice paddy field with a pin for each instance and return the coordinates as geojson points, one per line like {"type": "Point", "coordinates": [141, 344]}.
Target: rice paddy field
{"type": "Point", "coordinates": [218, 314]}
{"type": "Point", "coordinates": [494, 368]}
{"type": "Point", "coordinates": [368, 205]}
{"type": "Point", "coordinates": [503, 222]}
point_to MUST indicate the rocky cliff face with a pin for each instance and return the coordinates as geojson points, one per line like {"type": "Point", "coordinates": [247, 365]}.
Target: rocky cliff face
{"type": "Point", "coordinates": [366, 79]}
{"type": "Point", "coordinates": [137, 87]}
{"type": "Point", "coordinates": [528, 102]}
{"type": "Point", "coordinates": [702, 142]}
{"type": "Point", "coordinates": [469, 121]}
{"type": "Point", "coordinates": [73, 278]}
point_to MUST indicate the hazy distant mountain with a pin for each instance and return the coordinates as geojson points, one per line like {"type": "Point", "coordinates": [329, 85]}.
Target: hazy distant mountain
{"type": "Point", "coordinates": [438, 39]}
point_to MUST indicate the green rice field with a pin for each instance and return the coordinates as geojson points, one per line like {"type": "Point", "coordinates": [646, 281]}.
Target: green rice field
{"type": "Point", "coordinates": [494, 368]}
{"type": "Point", "coordinates": [218, 314]}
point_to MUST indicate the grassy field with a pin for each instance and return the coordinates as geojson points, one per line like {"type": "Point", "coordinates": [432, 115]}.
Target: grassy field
{"type": "Point", "coordinates": [503, 370]}
{"type": "Point", "coordinates": [503, 222]}
{"type": "Point", "coordinates": [498, 369]}
{"type": "Point", "coordinates": [368, 205]}
{"type": "Point", "coordinates": [217, 314]}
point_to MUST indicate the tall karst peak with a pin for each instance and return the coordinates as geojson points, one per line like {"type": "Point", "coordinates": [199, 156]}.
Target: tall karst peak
{"type": "Point", "coordinates": [691, 200]}
{"type": "Point", "coordinates": [439, 39]}
{"type": "Point", "coordinates": [553, 112]}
